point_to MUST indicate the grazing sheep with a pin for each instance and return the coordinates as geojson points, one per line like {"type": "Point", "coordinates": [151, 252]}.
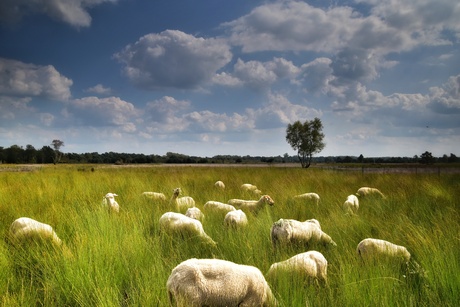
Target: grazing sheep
{"type": "Point", "coordinates": [216, 282]}
{"type": "Point", "coordinates": [178, 223]}
{"type": "Point", "coordinates": [309, 265]}
{"type": "Point", "coordinates": [25, 228]}
{"type": "Point", "coordinates": [351, 205]}
{"type": "Point", "coordinates": [219, 184]}
{"type": "Point", "coordinates": [309, 197]}
{"type": "Point", "coordinates": [195, 213]}
{"type": "Point", "coordinates": [252, 205]}
{"type": "Point", "coordinates": [182, 203]}
{"type": "Point", "coordinates": [109, 200]}
{"type": "Point", "coordinates": [375, 249]}
{"type": "Point", "coordinates": [365, 191]}
{"type": "Point", "coordinates": [154, 195]}
{"type": "Point", "coordinates": [216, 206]}
{"type": "Point", "coordinates": [250, 188]}
{"type": "Point", "coordinates": [288, 231]}
{"type": "Point", "coordinates": [235, 219]}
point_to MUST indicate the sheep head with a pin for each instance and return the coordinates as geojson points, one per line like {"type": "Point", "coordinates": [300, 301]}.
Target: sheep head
{"type": "Point", "coordinates": [267, 200]}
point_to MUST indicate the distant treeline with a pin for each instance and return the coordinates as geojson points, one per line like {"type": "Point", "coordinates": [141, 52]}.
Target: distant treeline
{"type": "Point", "coordinates": [29, 155]}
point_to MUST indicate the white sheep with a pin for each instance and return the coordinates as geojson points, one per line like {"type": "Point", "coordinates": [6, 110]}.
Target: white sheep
{"type": "Point", "coordinates": [178, 223]}
{"type": "Point", "coordinates": [309, 265]}
{"type": "Point", "coordinates": [235, 219]}
{"type": "Point", "coordinates": [219, 184]}
{"type": "Point", "coordinates": [218, 207]}
{"type": "Point", "coordinates": [252, 205]}
{"type": "Point", "coordinates": [181, 203]}
{"type": "Point", "coordinates": [250, 188]}
{"type": "Point", "coordinates": [216, 282]}
{"type": "Point", "coordinates": [351, 205]}
{"type": "Point", "coordinates": [375, 249]}
{"type": "Point", "coordinates": [365, 191]}
{"type": "Point", "coordinates": [109, 200]}
{"type": "Point", "coordinates": [288, 231]}
{"type": "Point", "coordinates": [25, 228]}
{"type": "Point", "coordinates": [154, 196]}
{"type": "Point", "coordinates": [195, 213]}
{"type": "Point", "coordinates": [314, 197]}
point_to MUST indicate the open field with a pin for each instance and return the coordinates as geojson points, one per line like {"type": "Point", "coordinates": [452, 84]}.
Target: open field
{"type": "Point", "coordinates": [124, 260]}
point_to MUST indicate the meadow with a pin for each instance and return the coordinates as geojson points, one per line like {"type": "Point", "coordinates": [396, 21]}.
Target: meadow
{"type": "Point", "coordinates": [123, 259]}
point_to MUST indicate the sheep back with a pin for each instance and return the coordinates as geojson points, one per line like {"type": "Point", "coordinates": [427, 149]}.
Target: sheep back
{"type": "Point", "coordinates": [371, 249]}
{"type": "Point", "coordinates": [215, 282]}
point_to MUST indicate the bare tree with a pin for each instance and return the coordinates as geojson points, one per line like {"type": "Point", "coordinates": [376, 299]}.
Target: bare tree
{"type": "Point", "coordinates": [57, 144]}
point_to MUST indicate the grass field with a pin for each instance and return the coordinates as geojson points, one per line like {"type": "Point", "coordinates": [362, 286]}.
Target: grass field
{"type": "Point", "coordinates": [123, 260]}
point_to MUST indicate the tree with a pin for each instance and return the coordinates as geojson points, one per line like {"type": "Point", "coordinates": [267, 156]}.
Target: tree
{"type": "Point", "coordinates": [306, 139]}
{"type": "Point", "coordinates": [57, 144]}
{"type": "Point", "coordinates": [426, 158]}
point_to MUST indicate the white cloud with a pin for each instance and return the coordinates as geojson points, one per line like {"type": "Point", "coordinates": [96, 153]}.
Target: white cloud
{"type": "Point", "coordinates": [73, 12]}
{"type": "Point", "coordinates": [393, 26]}
{"type": "Point", "coordinates": [99, 112]}
{"type": "Point", "coordinates": [446, 99]}
{"type": "Point", "coordinates": [99, 89]}
{"type": "Point", "coordinates": [21, 79]}
{"type": "Point", "coordinates": [173, 59]}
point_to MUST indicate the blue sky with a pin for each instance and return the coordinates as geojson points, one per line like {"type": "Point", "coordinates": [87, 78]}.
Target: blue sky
{"type": "Point", "coordinates": [215, 77]}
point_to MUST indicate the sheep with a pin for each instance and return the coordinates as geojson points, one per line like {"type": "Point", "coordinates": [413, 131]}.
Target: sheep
{"type": "Point", "coordinates": [182, 203]}
{"type": "Point", "coordinates": [154, 196]}
{"type": "Point", "coordinates": [109, 200]}
{"type": "Point", "coordinates": [195, 213]}
{"type": "Point", "coordinates": [173, 222]}
{"type": "Point", "coordinates": [216, 206]}
{"type": "Point", "coordinates": [365, 191]}
{"type": "Point", "coordinates": [250, 188]}
{"type": "Point", "coordinates": [235, 219]}
{"type": "Point", "coordinates": [289, 231]}
{"type": "Point", "coordinates": [215, 282]}
{"type": "Point", "coordinates": [309, 196]}
{"type": "Point", "coordinates": [219, 184]}
{"type": "Point", "coordinates": [375, 249]}
{"type": "Point", "coordinates": [251, 205]}
{"type": "Point", "coordinates": [351, 205]}
{"type": "Point", "coordinates": [309, 265]}
{"type": "Point", "coordinates": [25, 228]}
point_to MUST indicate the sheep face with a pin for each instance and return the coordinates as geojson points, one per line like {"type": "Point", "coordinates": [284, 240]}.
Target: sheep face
{"type": "Point", "coordinates": [267, 200]}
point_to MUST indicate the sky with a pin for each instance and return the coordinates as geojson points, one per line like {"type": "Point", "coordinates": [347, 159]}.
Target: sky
{"type": "Point", "coordinates": [219, 77]}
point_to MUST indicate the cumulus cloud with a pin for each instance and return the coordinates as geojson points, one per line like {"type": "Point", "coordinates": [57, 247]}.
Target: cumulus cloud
{"type": "Point", "coordinates": [257, 75]}
{"type": "Point", "coordinates": [21, 79]}
{"type": "Point", "coordinates": [446, 99]}
{"type": "Point", "coordinates": [99, 89]}
{"type": "Point", "coordinates": [100, 112]}
{"type": "Point", "coordinates": [72, 12]}
{"type": "Point", "coordinates": [392, 26]}
{"type": "Point", "coordinates": [279, 112]}
{"type": "Point", "coordinates": [173, 59]}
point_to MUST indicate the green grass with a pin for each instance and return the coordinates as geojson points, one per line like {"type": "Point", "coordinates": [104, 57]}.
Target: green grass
{"type": "Point", "coordinates": [123, 260]}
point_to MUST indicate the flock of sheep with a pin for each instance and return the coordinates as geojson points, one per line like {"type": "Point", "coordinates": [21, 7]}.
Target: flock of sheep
{"type": "Point", "coordinates": [217, 282]}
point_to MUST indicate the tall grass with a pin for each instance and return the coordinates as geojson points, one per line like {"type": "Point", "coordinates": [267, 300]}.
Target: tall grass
{"type": "Point", "coordinates": [124, 260]}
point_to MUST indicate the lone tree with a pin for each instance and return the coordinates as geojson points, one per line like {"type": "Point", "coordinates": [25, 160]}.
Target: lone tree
{"type": "Point", "coordinates": [57, 144]}
{"type": "Point", "coordinates": [306, 138]}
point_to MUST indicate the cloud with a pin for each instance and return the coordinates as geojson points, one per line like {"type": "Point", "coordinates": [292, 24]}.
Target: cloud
{"type": "Point", "coordinates": [446, 99]}
{"type": "Point", "coordinates": [293, 26]}
{"type": "Point", "coordinates": [102, 112]}
{"type": "Point", "coordinates": [392, 26]}
{"type": "Point", "coordinates": [99, 89]}
{"type": "Point", "coordinates": [72, 12]}
{"type": "Point", "coordinates": [279, 112]}
{"type": "Point", "coordinates": [21, 79]}
{"type": "Point", "coordinates": [173, 59]}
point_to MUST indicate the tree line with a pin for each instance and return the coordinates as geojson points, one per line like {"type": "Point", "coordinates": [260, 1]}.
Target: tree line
{"type": "Point", "coordinates": [16, 154]}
